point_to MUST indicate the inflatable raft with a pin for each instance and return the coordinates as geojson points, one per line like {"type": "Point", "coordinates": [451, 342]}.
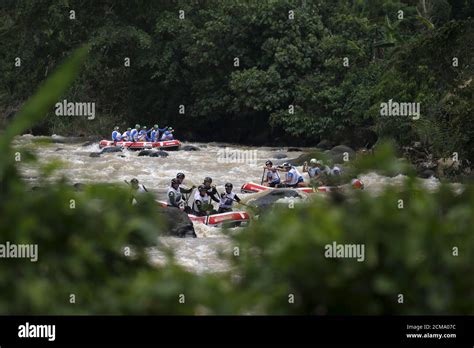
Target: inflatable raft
{"type": "Point", "coordinates": [139, 145]}
{"type": "Point", "coordinates": [232, 218]}
{"type": "Point", "coordinates": [251, 187]}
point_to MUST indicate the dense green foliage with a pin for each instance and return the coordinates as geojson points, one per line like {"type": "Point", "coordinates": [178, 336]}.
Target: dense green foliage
{"type": "Point", "coordinates": [409, 250]}
{"type": "Point", "coordinates": [291, 53]}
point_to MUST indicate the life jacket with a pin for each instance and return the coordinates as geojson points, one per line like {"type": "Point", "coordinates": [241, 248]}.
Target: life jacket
{"type": "Point", "coordinates": [273, 176]}
{"type": "Point", "coordinates": [154, 135]}
{"type": "Point", "coordinates": [116, 136]}
{"type": "Point", "coordinates": [226, 200]}
{"type": "Point", "coordinates": [142, 135]}
{"type": "Point", "coordinates": [204, 201]}
{"type": "Point", "coordinates": [293, 176]}
{"type": "Point", "coordinates": [134, 134]}
{"type": "Point", "coordinates": [167, 136]}
{"type": "Point", "coordinates": [178, 197]}
{"type": "Point", "coordinates": [126, 136]}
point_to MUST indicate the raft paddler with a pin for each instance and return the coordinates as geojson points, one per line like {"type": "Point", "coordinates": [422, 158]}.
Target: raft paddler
{"type": "Point", "coordinates": [136, 189]}
{"type": "Point", "coordinates": [272, 178]}
{"type": "Point", "coordinates": [175, 197]}
{"type": "Point", "coordinates": [202, 202]}
{"type": "Point", "coordinates": [180, 177]}
{"type": "Point", "coordinates": [293, 176]}
{"type": "Point", "coordinates": [143, 134]}
{"type": "Point", "coordinates": [134, 133]}
{"type": "Point", "coordinates": [127, 136]}
{"type": "Point", "coordinates": [136, 186]}
{"type": "Point", "coordinates": [168, 134]}
{"type": "Point", "coordinates": [313, 169]}
{"type": "Point", "coordinates": [184, 190]}
{"type": "Point", "coordinates": [321, 174]}
{"type": "Point", "coordinates": [211, 189]}
{"type": "Point", "coordinates": [116, 136]}
{"type": "Point", "coordinates": [155, 133]}
{"type": "Point", "coordinates": [227, 199]}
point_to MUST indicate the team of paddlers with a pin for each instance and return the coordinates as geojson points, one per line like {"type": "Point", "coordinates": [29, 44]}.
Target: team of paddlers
{"type": "Point", "coordinates": [142, 133]}
{"type": "Point", "coordinates": [178, 194]}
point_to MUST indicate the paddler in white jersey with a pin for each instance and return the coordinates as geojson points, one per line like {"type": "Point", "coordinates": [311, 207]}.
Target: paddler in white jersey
{"type": "Point", "coordinates": [175, 197]}
{"type": "Point", "coordinates": [134, 133]}
{"type": "Point", "coordinates": [202, 202]}
{"type": "Point", "coordinates": [227, 199]}
{"type": "Point", "coordinates": [116, 136]}
{"type": "Point", "coordinates": [272, 178]}
{"type": "Point", "coordinates": [137, 188]}
{"type": "Point", "coordinates": [293, 176]}
{"type": "Point", "coordinates": [126, 136]}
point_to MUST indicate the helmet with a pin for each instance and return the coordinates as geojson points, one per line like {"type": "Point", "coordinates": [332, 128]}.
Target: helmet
{"type": "Point", "coordinates": [357, 184]}
{"type": "Point", "coordinates": [134, 181]}
{"type": "Point", "coordinates": [229, 185]}
{"type": "Point", "coordinates": [170, 128]}
{"type": "Point", "coordinates": [268, 163]}
{"type": "Point", "coordinates": [137, 126]}
{"type": "Point", "coordinates": [129, 129]}
{"type": "Point", "coordinates": [144, 127]}
{"type": "Point", "coordinates": [286, 165]}
{"type": "Point", "coordinates": [156, 126]}
{"type": "Point", "coordinates": [116, 127]}
{"type": "Point", "coordinates": [313, 161]}
{"type": "Point", "coordinates": [174, 181]}
{"type": "Point", "coordinates": [208, 179]}
{"type": "Point", "coordinates": [180, 175]}
{"type": "Point", "coordinates": [202, 188]}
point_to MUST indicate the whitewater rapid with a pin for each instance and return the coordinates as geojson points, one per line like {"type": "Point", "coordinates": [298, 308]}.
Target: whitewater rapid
{"type": "Point", "coordinates": [197, 254]}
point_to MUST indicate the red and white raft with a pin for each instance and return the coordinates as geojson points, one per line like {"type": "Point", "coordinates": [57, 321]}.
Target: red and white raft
{"type": "Point", "coordinates": [232, 218]}
{"type": "Point", "coordinates": [138, 145]}
{"type": "Point", "coordinates": [251, 187]}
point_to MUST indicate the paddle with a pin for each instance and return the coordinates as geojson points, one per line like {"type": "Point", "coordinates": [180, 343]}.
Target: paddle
{"type": "Point", "coordinates": [188, 195]}
{"type": "Point", "coordinates": [263, 175]}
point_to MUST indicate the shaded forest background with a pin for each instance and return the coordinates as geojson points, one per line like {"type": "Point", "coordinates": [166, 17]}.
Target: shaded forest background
{"type": "Point", "coordinates": [282, 62]}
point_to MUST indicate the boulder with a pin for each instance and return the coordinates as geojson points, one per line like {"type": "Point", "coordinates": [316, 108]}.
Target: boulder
{"type": "Point", "coordinates": [266, 199]}
{"type": "Point", "coordinates": [88, 143]}
{"type": "Point", "coordinates": [177, 222]}
{"type": "Point", "coordinates": [78, 186]}
{"type": "Point", "coordinates": [427, 173]}
{"type": "Point", "coordinates": [293, 149]}
{"type": "Point", "coordinates": [190, 148]}
{"type": "Point", "coordinates": [307, 156]}
{"type": "Point", "coordinates": [279, 156]}
{"type": "Point", "coordinates": [145, 153]}
{"type": "Point", "coordinates": [339, 152]}
{"type": "Point", "coordinates": [160, 153]}
{"type": "Point", "coordinates": [152, 153]}
{"type": "Point", "coordinates": [324, 145]}
{"type": "Point", "coordinates": [110, 149]}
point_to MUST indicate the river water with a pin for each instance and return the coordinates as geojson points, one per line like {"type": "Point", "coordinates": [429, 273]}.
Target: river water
{"type": "Point", "coordinates": [223, 162]}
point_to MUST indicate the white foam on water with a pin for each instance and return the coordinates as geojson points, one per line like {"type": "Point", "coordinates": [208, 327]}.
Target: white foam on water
{"type": "Point", "coordinates": [198, 254]}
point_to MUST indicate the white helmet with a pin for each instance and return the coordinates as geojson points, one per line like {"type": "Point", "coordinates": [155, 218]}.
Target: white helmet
{"type": "Point", "coordinates": [313, 161]}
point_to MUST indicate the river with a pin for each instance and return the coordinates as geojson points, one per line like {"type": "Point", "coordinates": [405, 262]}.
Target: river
{"type": "Point", "coordinates": [223, 162]}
